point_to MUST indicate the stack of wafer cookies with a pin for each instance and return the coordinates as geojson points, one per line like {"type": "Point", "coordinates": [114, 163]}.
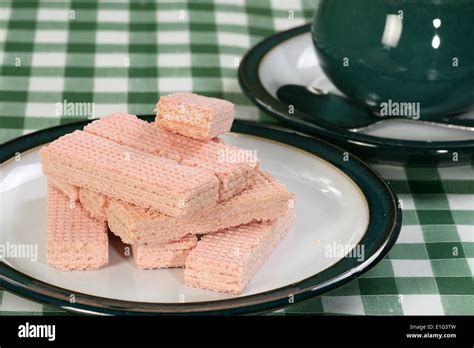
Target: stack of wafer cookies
{"type": "Point", "coordinates": [170, 190]}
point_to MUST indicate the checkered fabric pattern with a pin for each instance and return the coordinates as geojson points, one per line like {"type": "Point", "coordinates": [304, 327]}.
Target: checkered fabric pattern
{"type": "Point", "coordinates": [123, 55]}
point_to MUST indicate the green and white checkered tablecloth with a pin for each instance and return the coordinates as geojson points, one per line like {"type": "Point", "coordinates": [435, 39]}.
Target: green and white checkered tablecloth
{"type": "Point", "coordinates": [122, 56]}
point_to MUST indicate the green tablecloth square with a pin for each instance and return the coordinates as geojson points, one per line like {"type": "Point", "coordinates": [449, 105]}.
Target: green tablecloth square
{"type": "Point", "coordinates": [77, 84]}
{"type": "Point", "coordinates": [132, 97]}
{"type": "Point", "coordinates": [382, 304]}
{"type": "Point", "coordinates": [457, 305]}
{"type": "Point", "coordinates": [208, 61]}
{"type": "Point", "coordinates": [451, 268]}
{"type": "Point", "coordinates": [14, 83]}
{"type": "Point", "coordinates": [78, 4]}
{"type": "Point", "coordinates": [142, 7]}
{"type": "Point", "coordinates": [80, 65]}
{"type": "Point", "coordinates": [432, 201]}
{"type": "Point", "coordinates": [416, 285]}
{"type": "Point", "coordinates": [16, 63]}
{"type": "Point", "coordinates": [79, 97]}
{"type": "Point", "coordinates": [468, 248]}
{"type": "Point", "coordinates": [147, 86]}
{"type": "Point", "coordinates": [458, 186]}
{"type": "Point", "coordinates": [263, 6]}
{"type": "Point", "coordinates": [202, 22]}
{"type": "Point", "coordinates": [10, 133]}
{"type": "Point", "coordinates": [415, 251]}
{"type": "Point", "coordinates": [21, 36]}
{"type": "Point", "coordinates": [451, 250]}
{"type": "Point", "coordinates": [463, 217]}
{"type": "Point", "coordinates": [410, 217]}
{"type": "Point", "coordinates": [425, 186]}
{"type": "Point", "coordinates": [23, 12]}
{"type": "Point", "coordinates": [455, 285]}
{"type": "Point", "coordinates": [378, 286]}
{"type": "Point", "coordinates": [201, 85]}
{"type": "Point", "coordinates": [140, 109]}
{"type": "Point", "coordinates": [77, 37]}
{"type": "Point", "coordinates": [40, 123]}
{"type": "Point", "coordinates": [416, 174]}
{"type": "Point", "coordinates": [435, 217]}
{"type": "Point", "coordinates": [15, 96]}
{"type": "Point", "coordinates": [23, 70]}
{"type": "Point", "coordinates": [440, 233]}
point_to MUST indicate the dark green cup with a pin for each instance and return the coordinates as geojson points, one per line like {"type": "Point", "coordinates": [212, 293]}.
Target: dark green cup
{"type": "Point", "coordinates": [399, 51]}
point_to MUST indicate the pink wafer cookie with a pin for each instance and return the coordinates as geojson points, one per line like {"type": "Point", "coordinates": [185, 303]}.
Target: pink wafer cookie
{"type": "Point", "coordinates": [75, 240]}
{"type": "Point", "coordinates": [194, 116]}
{"type": "Point", "coordinates": [72, 192]}
{"type": "Point", "coordinates": [226, 261]}
{"type": "Point", "coordinates": [146, 256]}
{"type": "Point", "coordinates": [267, 199]}
{"type": "Point", "coordinates": [86, 160]}
{"type": "Point", "coordinates": [235, 168]}
{"type": "Point", "coordinates": [167, 255]}
{"type": "Point", "coordinates": [94, 203]}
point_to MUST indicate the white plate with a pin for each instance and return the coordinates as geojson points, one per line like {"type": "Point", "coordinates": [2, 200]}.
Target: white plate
{"type": "Point", "coordinates": [331, 211]}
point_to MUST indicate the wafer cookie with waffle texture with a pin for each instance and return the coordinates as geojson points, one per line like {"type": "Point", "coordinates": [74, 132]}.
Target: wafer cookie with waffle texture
{"type": "Point", "coordinates": [194, 116]}
{"type": "Point", "coordinates": [94, 203]}
{"type": "Point", "coordinates": [267, 199]}
{"type": "Point", "coordinates": [75, 241]}
{"type": "Point", "coordinates": [235, 168]}
{"type": "Point", "coordinates": [89, 161]}
{"type": "Point", "coordinates": [71, 191]}
{"type": "Point", "coordinates": [166, 255]}
{"type": "Point", "coordinates": [226, 261]}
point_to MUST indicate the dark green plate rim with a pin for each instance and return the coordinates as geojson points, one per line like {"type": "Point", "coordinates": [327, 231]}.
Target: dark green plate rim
{"type": "Point", "coordinates": [365, 146]}
{"type": "Point", "coordinates": [382, 232]}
